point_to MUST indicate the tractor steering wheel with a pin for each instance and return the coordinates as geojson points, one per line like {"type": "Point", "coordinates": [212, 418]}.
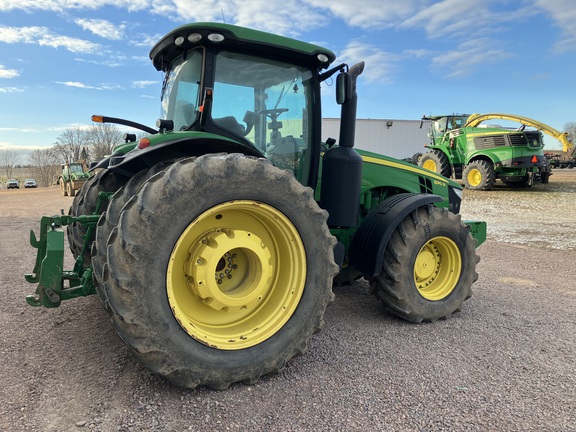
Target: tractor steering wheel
{"type": "Point", "coordinates": [273, 113]}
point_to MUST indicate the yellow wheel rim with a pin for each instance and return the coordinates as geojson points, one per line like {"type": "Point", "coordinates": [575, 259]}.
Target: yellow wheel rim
{"type": "Point", "coordinates": [429, 164]}
{"type": "Point", "coordinates": [474, 177]}
{"type": "Point", "coordinates": [236, 275]}
{"type": "Point", "coordinates": [437, 268]}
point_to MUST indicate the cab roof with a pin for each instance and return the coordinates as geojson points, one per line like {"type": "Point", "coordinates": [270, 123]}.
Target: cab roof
{"type": "Point", "coordinates": [188, 36]}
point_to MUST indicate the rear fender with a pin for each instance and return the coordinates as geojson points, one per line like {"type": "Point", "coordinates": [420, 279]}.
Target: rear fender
{"type": "Point", "coordinates": [371, 238]}
{"type": "Point", "coordinates": [173, 146]}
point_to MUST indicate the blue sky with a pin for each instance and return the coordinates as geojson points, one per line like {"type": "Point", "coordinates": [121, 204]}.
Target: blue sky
{"type": "Point", "coordinates": [62, 61]}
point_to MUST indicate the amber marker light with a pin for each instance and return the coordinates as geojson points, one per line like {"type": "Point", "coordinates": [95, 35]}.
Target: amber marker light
{"type": "Point", "coordinates": [143, 143]}
{"type": "Point", "coordinates": [97, 119]}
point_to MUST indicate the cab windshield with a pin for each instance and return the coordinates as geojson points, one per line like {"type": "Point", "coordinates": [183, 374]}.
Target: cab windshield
{"type": "Point", "coordinates": [257, 101]}
{"type": "Point", "coordinates": [444, 124]}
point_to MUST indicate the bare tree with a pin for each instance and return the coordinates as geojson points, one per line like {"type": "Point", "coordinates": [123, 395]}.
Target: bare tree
{"type": "Point", "coordinates": [70, 144]}
{"type": "Point", "coordinates": [103, 138]}
{"type": "Point", "coordinates": [46, 166]}
{"type": "Point", "coordinates": [8, 159]}
{"type": "Point", "coordinates": [571, 129]}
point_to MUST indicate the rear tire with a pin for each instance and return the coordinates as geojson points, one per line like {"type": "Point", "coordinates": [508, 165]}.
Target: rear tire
{"type": "Point", "coordinates": [70, 189]}
{"type": "Point", "coordinates": [429, 266]}
{"type": "Point", "coordinates": [479, 175]}
{"type": "Point", "coordinates": [436, 161]}
{"type": "Point", "coordinates": [210, 284]}
{"type": "Point", "coordinates": [416, 158]}
{"type": "Point", "coordinates": [110, 219]}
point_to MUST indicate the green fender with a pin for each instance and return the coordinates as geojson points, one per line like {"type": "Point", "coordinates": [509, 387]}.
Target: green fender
{"type": "Point", "coordinates": [370, 241]}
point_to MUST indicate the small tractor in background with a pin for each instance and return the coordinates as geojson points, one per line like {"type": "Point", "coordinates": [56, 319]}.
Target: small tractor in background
{"type": "Point", "coordinates": [214, 245]}
{"type": "Point", "coordinates": [562, 159]}
{"type": "Point", "coordinates": [73, 177]}
{"type": "Point", "coordinates": [462, 149]}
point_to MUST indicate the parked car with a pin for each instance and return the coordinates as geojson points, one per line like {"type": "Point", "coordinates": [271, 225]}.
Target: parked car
{"type": "Point", "coordinates": [12, 184]}
{"type": "Point", "coordinates": [30, 183]}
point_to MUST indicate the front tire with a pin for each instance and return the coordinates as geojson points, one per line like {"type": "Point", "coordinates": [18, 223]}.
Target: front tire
{"type": "Point", "coordinates": [479, 175]}
{"type": "Point", "coordinates": [63, 190]}
{"type": "Point", "coordinates": [211, 283]}
{"type": "Point", "coordinates": [429, 266]}
{"type": "Point", "coordinates": [85, 203]}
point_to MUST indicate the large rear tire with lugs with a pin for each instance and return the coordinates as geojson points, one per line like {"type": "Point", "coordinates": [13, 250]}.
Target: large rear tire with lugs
{"type": "Point", "coordinates": [219, 270]}
{"type": "Point", "coordinates": [429, 266]}
{"type": "Point", "coordinates": [109, 220]}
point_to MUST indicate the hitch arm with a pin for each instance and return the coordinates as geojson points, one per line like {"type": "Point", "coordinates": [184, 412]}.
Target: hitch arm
{"type": "Point", "coordinates": [54, 283]}
{"type": "Point", "coordinates": [48, 271]}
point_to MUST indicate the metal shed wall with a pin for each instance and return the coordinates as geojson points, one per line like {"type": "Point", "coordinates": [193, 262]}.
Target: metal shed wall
{"type": "Point", "coordinates": [397, 138]}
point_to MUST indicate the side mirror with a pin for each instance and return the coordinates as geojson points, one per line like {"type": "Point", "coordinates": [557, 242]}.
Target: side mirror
{"type": "Point", "coordinates": [343, 87]}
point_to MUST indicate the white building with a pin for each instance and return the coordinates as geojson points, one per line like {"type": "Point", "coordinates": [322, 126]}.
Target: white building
{"type": "Point", "coordinates": [396, 138]}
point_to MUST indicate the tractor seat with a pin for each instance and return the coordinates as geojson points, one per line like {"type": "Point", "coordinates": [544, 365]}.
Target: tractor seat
{"type": "Point", "coordinates": [231, 124]}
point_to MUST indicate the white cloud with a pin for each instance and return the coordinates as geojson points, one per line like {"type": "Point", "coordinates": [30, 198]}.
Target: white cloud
{"type": "Point", "coordinates": [144, 83]}
{"type": "Point", "coordinates": [380, 65]}
{"type": "Point", "coordinates": [563, 13]}
{"type": "Point", "coordinates": [69, 43]}
{"type": "Point", "coordinates": [102, 28]}
{"type": "Point", "coordinates": [19, 129]}
{"type": "Point", "coordinates": [81, 85]}
{"type": "Point", "coordinates": [286, 17]}
{"type": "Point", "coordinates": [44, 37]}
{"type": "Point", "coordinates": [77, 84]}
{"type": "Point", "coordinates": [370, 13]}
{"type": "Point", "coordinates": [8, 73]}
{"type": "Point", "coordinates": [447, 16]}
{"type": "Point", "coordinates": [63, 5]}
{"type": "Point", "coordinates": [145, 40]}
{"type": "Point", "coordinates": [468, 56]}
{"type": "Point", "coordinates": [466, 18]}
{"type": "Point", "coordinates": [11, 90]}
{"type": "Point", "coordinates": [109, 62]}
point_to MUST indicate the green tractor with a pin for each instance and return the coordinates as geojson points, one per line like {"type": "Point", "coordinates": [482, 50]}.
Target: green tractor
{"type": "Point", "coordinates": [215, 240]}
{"type": "Point", "coordinates": [462, 149]}
{"type": "Point", "coordinates": [72, 178]}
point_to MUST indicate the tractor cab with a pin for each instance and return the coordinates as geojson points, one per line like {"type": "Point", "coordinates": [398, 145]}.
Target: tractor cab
{"type": "Point", "coordinates": [442, 124]}
{"type": "Point", "coordinates": [259, 102]}
{"type": "Point", "coordinates": [260, 95]}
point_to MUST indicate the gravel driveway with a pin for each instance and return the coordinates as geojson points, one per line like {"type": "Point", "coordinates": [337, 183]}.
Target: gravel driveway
{"type": "Point", "coordinates": [506, 363]}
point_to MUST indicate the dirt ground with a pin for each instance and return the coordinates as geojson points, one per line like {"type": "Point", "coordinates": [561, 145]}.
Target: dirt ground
{"type": "Point", "coordinates": [507, 362]}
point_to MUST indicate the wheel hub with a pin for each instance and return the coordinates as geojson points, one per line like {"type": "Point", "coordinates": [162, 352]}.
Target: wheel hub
{"type": "Point", "coordinates": [474, 177]}
{"type": "Point", "coordinates": [437, 268]}
{"type": "Point", "coordinates": [425, 266]}
{"type": "Point", "coordinates": [230, 270]}
{"type": "Point", "coordinates": [236, 274]}
{"type": "Point", "coordinates": [429, 165]}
